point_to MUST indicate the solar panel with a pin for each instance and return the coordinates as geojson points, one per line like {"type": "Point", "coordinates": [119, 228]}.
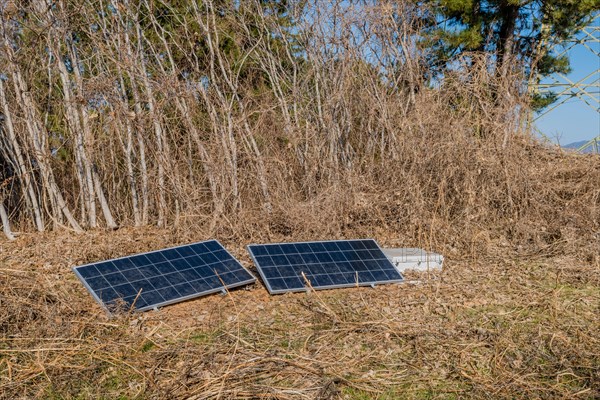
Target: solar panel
{"type": "Point", "coordinates": [157, 278]}
{"type": "Point", "coordinates": [326, 265]}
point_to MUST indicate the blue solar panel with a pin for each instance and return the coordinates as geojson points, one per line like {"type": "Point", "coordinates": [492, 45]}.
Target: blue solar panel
{"type": "Point", "coordinates": [154, 279]}
{"type": "Point", "coordinates": [326, 265]}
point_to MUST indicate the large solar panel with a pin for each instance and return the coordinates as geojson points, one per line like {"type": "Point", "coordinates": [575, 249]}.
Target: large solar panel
{"type": "Point", "coordinates": [150, 280]}
{"type": "Point", "coordinates": [326, 265]}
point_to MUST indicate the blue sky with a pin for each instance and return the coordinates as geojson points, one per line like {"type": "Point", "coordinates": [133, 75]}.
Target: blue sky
{"type": "Point", "coordinates": [575, 121]}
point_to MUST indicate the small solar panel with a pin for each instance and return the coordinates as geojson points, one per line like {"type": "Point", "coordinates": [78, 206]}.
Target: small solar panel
{"type": "Point", "coordinates": [149, 280]}
{"type": "Point", "coordinates": [326, 265]}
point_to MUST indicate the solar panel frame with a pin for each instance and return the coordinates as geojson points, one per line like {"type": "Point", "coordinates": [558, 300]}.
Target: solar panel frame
{"type": "Point", "coordinates": [303, 246]}
{"type": "Point", "coordinates": [156, 254]}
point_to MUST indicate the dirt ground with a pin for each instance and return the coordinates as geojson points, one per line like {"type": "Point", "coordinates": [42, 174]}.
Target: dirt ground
{"type": "Point", "coordinates": [501, 326]}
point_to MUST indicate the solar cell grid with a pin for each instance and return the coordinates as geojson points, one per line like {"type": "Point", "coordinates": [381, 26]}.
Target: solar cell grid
{"type": "Point", "coordinates": [327, 264]}
{"type": "Point", "coordinates": [162, 277]}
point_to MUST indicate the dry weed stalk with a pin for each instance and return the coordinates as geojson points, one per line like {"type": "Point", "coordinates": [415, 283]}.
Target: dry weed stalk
{"type": "Point", "coordinates": [164, 124]}
{"type": "Point", "coordinates": [195, 115]}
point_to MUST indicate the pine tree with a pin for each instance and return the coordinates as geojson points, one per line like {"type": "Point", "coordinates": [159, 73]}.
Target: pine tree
{"type": "Point", "coordinates": [521, 30]}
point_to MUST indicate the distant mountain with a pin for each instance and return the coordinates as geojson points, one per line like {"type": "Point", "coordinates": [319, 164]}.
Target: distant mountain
{"type": "Point", "coordinates": [576, 145]}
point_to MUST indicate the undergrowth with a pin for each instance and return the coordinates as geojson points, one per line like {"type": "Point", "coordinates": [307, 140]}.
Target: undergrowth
{"type": "Point", "coordinates": [514, 314]}
{"type": "Point", "coordinates": [505, 325]}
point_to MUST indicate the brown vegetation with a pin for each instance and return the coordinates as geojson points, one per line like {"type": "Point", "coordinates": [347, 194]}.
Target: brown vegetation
{"type": "Point", "coordinates": [196, 116]}
{"type": "Point", "coordinates": [505, 325]}
{"type": "Point", "coordinates": [278, 148]}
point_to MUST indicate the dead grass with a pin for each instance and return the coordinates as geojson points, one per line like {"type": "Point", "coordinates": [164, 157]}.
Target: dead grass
{"type": "Point", "coordinates": [503, 327]}
{"type": "Point", "coordinates": [515, 314]}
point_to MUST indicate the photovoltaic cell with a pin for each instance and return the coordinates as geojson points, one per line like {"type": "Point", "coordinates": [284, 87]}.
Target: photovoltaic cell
{"type": "Point", "coordinates": [326, 265]}
{"type": "Point", "coordinates": [154, 279]}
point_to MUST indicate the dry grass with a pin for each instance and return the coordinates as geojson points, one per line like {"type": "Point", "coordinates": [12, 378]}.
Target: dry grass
{"type": "Point", "coordinates": [505, 326]}
{"type": "Point", "coordinates": [515, 314]}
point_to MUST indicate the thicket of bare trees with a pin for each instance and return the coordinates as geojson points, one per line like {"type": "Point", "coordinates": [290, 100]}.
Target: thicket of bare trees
{"type": "Point", "coordinates": [157, 112]}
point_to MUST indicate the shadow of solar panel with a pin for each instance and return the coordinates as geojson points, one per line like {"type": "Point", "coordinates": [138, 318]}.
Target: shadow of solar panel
{"type": "Point", "coordinates": [285, 267]}
{"type": "Point", "coordinates": [162, 277]}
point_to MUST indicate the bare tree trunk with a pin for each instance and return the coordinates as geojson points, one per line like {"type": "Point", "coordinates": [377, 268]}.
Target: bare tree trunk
{"type": "Point", "coordinates": [231, 78]}
{"type": "Point", "coordinates": [84, 173]}
{"type": "Point", "coordinates": [227, 135]}
{"type": "Point", "coordinates": [141, 148]}
{"type": "Point", "coordinates": [86, 136]}
{"type": "Point", "coordinates": [127, 147]}
{"type": "Point", "coordinates": [37, 135]}
{"type": "Point", "coordinates": [162, 155]}
{"type": "Point", "coordinates": [110, 222]}
{"type": "Point", "coordinates": [23, 169]}
{"type": "Point", "coordinates": [128, 58]}
{"type": "Point", "coordinates": [204, 156]}
{"type": "Point", "coordinates": [182, 105]}
{"type": "Point", "coordinates": [132, 120]}
{"type": "Point", "coordinates": [5, 223]}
